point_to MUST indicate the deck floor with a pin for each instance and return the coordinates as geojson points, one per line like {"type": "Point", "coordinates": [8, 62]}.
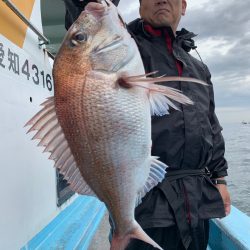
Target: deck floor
{"type": "Point", "coordinates": [100, 239]}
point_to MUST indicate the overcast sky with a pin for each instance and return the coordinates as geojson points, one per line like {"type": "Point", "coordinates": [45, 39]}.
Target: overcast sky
{"type": "Point", "coordinates": [223, 28]}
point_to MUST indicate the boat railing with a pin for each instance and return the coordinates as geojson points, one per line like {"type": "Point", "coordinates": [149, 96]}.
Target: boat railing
{"type": "Point", "coordinates": [41, 37]}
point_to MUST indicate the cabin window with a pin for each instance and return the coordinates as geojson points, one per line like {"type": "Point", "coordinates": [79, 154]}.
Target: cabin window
{"type": "Point", "coordinates": [53, 28]}
{"type": "Point", "coordinates": [63, 190]}
{"type": "Point", "coordinates": [53, 13]}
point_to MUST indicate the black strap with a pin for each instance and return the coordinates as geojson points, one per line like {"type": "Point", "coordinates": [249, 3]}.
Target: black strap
{"type": "Point", "coordinates": [180, 173]}
{"type": "Point", "coordinates": [178, 207]}
{"type": "Point", "coordinates": [218, 181]}
{"type": "Point", "coordinates": [177, 202]}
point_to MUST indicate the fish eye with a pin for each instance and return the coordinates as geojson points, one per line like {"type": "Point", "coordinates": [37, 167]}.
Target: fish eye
{"type": "Point", "coordinates": [78, 38]}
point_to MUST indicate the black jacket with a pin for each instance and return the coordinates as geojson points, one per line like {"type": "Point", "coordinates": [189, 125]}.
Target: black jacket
{"type": "Point", "coordinates": [188, 140]}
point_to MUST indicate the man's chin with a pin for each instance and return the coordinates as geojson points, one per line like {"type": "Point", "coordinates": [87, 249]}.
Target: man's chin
{"type": "Point", "coordinates": [161, 24]}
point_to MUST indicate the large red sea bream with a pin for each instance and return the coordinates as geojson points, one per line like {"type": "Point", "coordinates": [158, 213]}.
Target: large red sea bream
{"type": "Point", "coordinates": [97, 126]}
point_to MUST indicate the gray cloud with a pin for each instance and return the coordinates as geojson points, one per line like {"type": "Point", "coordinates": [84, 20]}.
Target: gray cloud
{"type": "Point", "coordinates": [223, 40]}
{"type": "Point", "coordinates": [225, 19]}
{"type": "Point", "coordinates": [129, 9]}
{"type": "Point", "coordinates": [226, 24]}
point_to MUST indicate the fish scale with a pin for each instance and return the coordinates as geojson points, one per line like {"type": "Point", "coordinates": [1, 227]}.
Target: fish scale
{"type": "Point", "coordinates": [126, 137]}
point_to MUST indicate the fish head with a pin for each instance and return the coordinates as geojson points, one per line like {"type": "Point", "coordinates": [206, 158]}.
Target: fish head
{"type": "Point", "coordinates": [97, 40]}
{"type": "Point", "coordinates": [73, 57]}
{"type": "Point", "coordinates": [112, 46]}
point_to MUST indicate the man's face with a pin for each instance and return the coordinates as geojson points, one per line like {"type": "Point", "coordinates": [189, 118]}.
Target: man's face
{"type": "Point", "coordinates": [161, 13]}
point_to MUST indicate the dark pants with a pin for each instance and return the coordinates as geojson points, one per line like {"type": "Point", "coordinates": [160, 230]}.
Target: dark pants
{"type": "Point", "coordinates": [169, 238]}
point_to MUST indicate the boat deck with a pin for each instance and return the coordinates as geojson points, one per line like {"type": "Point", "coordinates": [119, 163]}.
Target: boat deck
{"type": "Point", "coordinates": [83, 225]}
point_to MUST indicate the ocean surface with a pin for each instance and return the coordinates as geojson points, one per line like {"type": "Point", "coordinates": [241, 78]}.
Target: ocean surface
{"type": "Point", "coordinates": [237, 140]}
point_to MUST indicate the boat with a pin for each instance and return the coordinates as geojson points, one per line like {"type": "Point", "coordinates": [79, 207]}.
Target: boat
{"type": "Point", "coordinates": [38, 210]}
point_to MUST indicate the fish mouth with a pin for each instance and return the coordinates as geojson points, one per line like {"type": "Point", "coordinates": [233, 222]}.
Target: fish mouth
{"type": "Point", "coordinates": [97, 7]}
{"type": "Point", "coordinates": [94, 6]}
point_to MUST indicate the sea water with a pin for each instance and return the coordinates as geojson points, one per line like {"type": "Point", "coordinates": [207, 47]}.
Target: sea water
{"type": "Point", "coordinates": [237, 141]}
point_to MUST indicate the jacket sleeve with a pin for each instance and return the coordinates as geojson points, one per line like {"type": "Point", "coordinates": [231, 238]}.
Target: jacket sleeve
{"type": "Point", "coordinates": [218, 164]}
{"type": "Point", "coordinates": [74, 8]}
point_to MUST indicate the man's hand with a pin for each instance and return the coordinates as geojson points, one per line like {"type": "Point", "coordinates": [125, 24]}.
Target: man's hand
{"type": "Point", "coordinates": [225, 197]}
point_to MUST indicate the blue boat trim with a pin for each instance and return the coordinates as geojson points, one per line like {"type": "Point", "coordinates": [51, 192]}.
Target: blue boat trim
{"type": "Point", "coordinates": [73, 228]}
{"type": "Point", "coordinates": [230, 233]}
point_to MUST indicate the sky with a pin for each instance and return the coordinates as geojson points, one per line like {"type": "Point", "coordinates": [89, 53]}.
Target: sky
{"type": "Point", "coordinates": [223, 41]}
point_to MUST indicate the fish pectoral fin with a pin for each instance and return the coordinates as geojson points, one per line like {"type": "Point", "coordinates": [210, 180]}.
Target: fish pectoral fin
{"type": "Point", "coordinates": [159, 95]}
{"type": "Point", "coordinates": [159, 103]}
{"type": "Point", "coordinates": [134, 80]}
{"type": "Point", "coordinates": [156, 175]}
{"type": "Point", "coordinates": [50, 135]}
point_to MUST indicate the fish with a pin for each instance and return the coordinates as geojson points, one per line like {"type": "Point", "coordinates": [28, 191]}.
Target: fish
{"type": "Point", "coordinates": [97, 126]}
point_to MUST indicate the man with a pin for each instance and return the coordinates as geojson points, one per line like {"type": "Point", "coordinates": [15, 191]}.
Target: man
{"type": "Point", "coordinates": [176, 212]}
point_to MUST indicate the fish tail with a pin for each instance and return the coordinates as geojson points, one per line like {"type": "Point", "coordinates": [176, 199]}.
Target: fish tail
{"type": "Point", "coordinates": [120, 243]}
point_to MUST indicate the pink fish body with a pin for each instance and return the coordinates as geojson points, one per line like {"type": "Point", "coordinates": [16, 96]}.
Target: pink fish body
{"type": "Point", "coordinates": [97, 126]}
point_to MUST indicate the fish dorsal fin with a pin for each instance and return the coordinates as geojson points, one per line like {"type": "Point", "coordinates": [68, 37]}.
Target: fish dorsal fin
{"type": "Point", "coordinates": [51, 136]}
{"type": "Point", "coordinates": [156, 175]}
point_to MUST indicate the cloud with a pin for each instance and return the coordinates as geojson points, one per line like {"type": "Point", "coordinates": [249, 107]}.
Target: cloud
{"type": "Point", "coordinates": [222, 18]}
{"type": "Point", "coordinates": [223, 42]}
{"type": "Point", "coordinates": [129, 9]}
